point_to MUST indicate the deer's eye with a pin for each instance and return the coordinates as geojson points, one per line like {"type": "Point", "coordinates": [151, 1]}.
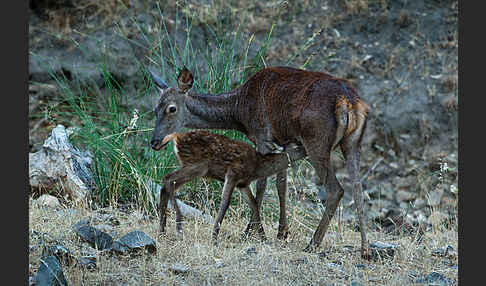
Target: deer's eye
{"type": "Point", "coordinates": [171, 109]}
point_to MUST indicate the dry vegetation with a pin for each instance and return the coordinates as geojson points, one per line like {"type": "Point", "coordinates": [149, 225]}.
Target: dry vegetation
{"type": "Point", "coordinates": [237, 261]}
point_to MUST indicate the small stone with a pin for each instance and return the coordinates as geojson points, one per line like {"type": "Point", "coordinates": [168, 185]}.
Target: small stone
{"type": "Point", "coordinates": [48, 201]}
{"type": "Point", "coordinates": [87, 261]}
{"type": "Point", "coordinates": [251, 251]}
{"type": "Point", "coordinates": [179, 269]}
{"type": "Point", "coordinates": [434, 198]}
{"type": "Point", "coordinates": [382, 250]}
{"type": "Point", "coordinates": [448, 252]}
{"type": "Point", "coordinates": [434, 278]}
{"type": "Point", "coordinates": [419, 203]}
{"type": "Point", "coordinates": [405, 196]}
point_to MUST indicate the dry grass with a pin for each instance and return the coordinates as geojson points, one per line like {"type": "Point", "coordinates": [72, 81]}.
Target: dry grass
{"type": "Point", "coordinates": [236, 261]}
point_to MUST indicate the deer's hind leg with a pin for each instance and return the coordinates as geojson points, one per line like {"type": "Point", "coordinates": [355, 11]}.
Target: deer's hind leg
{"type": "Point", "coordinates": [172, 182]}
{"type": "Point", "coordinates": [319, 155]}
{"type": "Point", "coordinates": [350, 147]}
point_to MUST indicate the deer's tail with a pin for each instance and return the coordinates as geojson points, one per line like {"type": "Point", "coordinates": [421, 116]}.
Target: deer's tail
{"type": "Point", "coordinates": [350, 118]}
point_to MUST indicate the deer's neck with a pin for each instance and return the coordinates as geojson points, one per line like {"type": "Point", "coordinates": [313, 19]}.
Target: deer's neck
{"type": "Point", "coordinates": [207, 111]}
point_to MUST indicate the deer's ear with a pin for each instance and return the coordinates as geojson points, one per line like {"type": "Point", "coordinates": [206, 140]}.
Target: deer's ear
{"type": "Point", "coordinates": [185, 80]}
{"type": "Point", "coordinates": [157, 80]}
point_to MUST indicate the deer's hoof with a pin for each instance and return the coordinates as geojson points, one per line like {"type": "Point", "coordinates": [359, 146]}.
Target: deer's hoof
{"type": "Point", "coordinates": [311, 248]}
{"type": "Point", "coordinates": [365, 254]}
{"type": "Point", "coordinates": [283, 233]}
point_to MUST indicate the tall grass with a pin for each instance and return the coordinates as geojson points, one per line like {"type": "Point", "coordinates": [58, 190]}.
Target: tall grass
{"type": "Point", "coordinates": [116, 128]}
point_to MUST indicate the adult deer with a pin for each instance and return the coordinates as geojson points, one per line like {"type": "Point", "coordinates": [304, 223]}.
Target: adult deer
{"type": "Point", "coordinates": [280, 105]}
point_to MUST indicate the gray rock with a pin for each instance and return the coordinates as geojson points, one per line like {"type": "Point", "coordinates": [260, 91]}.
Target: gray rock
{"type": "Point", "coordinates": [434, 197]}
{"type": "Point", "coordinates": [434, 278]}
{"type": "Point", "coordinates": [89, 262]}
{"type": "Point", "coordinates": [179, 269]}
{"type": "Point", "coordinates": [95, 237]}
{"type": "Point", "coordinates": [48, 201]}
{"type": "Point", "coordinates": [50, 273]}
{"type": "Point", "coordinates": [382, 250]}
{"type": "Point", "coordinates": [59, 164]}
{"type": "Point", "coordinates": [405, 196]}
{"type": "Point", "coordinates": [134, 240]}
{"type": "Point", "coordinates": [62, 253]}
{"type": "Point", "coordinates": [448, 252]}
{"type": "Point", "coordinates": [419, 203]}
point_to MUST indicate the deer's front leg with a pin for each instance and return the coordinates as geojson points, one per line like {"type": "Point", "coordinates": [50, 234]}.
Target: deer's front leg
{"type": "Point", "coordinates": [229, 186]}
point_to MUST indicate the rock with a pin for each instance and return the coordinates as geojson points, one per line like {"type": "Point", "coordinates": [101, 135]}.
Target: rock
{"type": "Point", "coordinates": [48, 201]}
{"type": "Point", "coordinates": [382, 250]}
{"type": "Point", "coordinates": [405, 182]}
{"type": "Point", "coordinates": [448, 252]}
{"type": "Point", "coordinates": [95, 237]}
{"type": "Point", "coordinates": [179, 269]}
{"type": "Point", "coordinates": [134, 240]}
{"type": "Point", "coordinates": [50, 273]}
{"type": "Point", "coordinates": [434, 197]}
{"type": "Point", "coordinates": [434, 278]}
{"type": "Point", "coordinates": [62, 253]}
{"type": "Point", "coordinates": [89, 262]}
{"type": "Point", "coordinates": [405, 196]}
{"type": "Point", "coordinates": [419, 203]}
{"type": "Point", "coordinates": [251, 251]}
{"type": "Point", "coordinates": [60, 165]}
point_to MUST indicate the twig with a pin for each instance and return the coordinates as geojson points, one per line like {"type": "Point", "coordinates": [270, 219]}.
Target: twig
{"type": "Point", "coordinates": [371, 169]}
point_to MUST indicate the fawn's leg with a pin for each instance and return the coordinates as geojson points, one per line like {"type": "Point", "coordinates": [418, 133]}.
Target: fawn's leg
{"type": "Point", "coordinates": [255, 212]}
{"type": "Point", "coordinates": [319, 156]}
{"type": "Point", "coordinates": [178, 214]}
{"type": "Point", "coordinates": [172, 182]}
{"type": "Point", "coordinates": [229, 186]}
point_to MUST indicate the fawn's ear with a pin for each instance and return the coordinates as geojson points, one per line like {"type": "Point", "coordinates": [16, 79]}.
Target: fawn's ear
{"type": "Point", "coordinates": [157, 80]}
{"type": "Point", "coordinates": [185, 80]}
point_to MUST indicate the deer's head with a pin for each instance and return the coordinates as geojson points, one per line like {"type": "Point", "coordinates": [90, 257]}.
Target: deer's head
{"type": "Point", "coordinates": [171, 108]}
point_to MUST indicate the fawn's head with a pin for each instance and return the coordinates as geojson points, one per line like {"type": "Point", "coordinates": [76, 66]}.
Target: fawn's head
{"type": "Point", "coordinates": [170, 109]}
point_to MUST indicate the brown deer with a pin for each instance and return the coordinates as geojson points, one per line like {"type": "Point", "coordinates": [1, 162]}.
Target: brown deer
{"type": "Point", "coordinates": [280, 105]}
{"type": "Point", "coordinates": [204, 154]}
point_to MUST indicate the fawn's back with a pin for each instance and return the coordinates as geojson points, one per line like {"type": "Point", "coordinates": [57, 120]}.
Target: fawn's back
{"type": "Point", "coordinates": [216, 153]}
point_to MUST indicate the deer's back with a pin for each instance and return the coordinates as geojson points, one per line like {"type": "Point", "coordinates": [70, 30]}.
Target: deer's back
{"type": "Point", "coordinates": [218, 153]}
{"type": "Point", "coordinates": [290, 99]}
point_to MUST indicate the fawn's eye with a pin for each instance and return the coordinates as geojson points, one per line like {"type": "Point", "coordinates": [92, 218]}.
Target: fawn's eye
{"type": "Point", "coordinates": [171, 109]}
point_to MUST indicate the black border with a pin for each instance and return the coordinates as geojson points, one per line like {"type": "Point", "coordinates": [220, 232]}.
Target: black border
{"type": "Point", "coordinates": [15, 143]}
